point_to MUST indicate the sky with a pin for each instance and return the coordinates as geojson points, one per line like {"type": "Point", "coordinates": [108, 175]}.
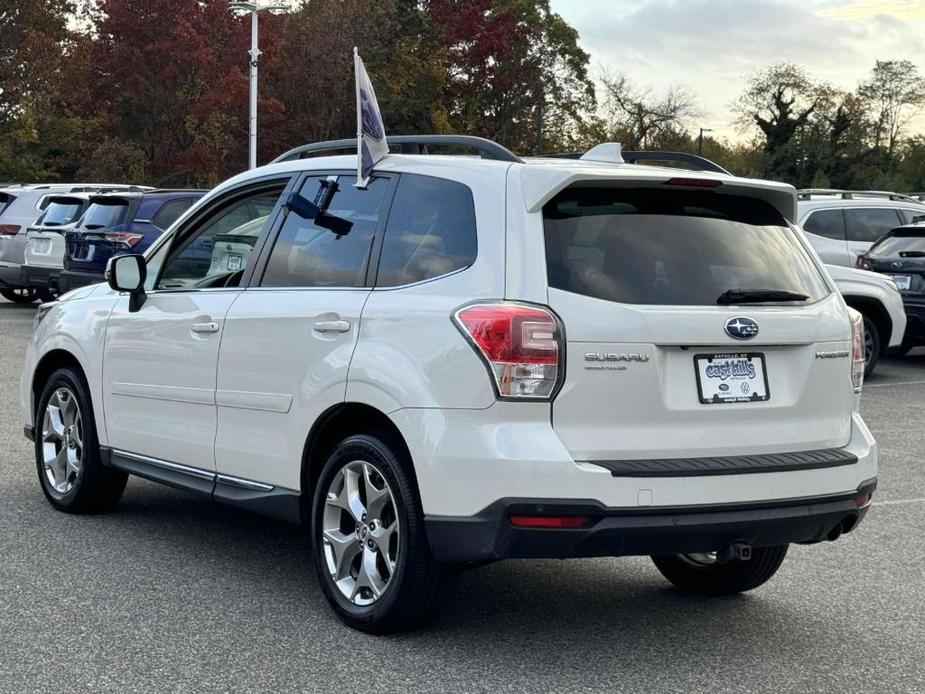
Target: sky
{"type": "Point", "coordinates": [711, 46]}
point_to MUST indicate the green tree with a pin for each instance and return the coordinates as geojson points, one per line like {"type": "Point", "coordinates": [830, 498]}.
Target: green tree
{"type": "Point", "coordinates": [895, 93]}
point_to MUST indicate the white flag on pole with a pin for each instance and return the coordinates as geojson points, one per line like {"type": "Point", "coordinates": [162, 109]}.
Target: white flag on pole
{"type": "Point", "coordinates": [371, 144]}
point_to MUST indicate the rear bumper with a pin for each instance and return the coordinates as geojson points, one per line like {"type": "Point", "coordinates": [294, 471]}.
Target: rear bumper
{"type": "Point", "coordinates": [38, 276]}
{"type": "Point", "coordinates": [10, 274]}
{"type": "Point", "coordinates": [489, 535]}
{"type": "Point", "coordinates": [71, 279]}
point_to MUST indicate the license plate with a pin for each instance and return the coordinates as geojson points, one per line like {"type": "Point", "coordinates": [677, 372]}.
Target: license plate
{"type": "Point", "coordinates": [903, 282]}
{"type": "Point", "coordinates": [731, 377]}
{"type": "Point", "coordinates": [234, 262]}
{"type": "Point", "coordinates": [41, 246]}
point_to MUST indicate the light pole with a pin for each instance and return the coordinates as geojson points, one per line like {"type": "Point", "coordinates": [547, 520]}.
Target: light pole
{"type": "Point", "coordinates": [254, 8]}
{"type": "Point", "coordinates": [700, 140]}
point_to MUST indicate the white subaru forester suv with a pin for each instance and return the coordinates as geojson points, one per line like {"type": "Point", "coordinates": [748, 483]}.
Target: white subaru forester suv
{"type": "Point", "coordinates": [471, 359]}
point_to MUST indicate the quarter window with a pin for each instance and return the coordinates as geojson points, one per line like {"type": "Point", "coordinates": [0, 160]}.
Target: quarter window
{"type": "Point", "coordinates": [216, 253]}
{"type": "Point", "coordinates": [827, 223]}
{"type": "Point", "coordinates": [170, 212]}
{"type": "Point", "coordinates": [431, 231]}
{"type": "Point", "coordinates": [331, 250]}
{"type": "Point", "coordinates": [869, 224]}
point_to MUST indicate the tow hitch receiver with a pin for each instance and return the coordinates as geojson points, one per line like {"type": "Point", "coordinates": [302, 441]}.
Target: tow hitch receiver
{"type": "Point", "coordinates": [737, 550]}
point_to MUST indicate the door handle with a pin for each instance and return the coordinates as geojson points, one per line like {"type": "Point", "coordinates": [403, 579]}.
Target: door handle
{"type": "Point", "coordinates": [210, 327]}
{"type": "Point", "coordinates": [331, 326]}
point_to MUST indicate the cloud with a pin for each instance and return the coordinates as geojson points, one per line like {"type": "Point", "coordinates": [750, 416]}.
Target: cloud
{"type": "Point", "coordinates": [711, 46]}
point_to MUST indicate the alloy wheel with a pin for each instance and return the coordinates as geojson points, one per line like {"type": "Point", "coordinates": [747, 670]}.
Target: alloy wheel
{"type": "Point", "coordinates": [360, 532]}
{"type": "Point", "coordinates": [62, 440]}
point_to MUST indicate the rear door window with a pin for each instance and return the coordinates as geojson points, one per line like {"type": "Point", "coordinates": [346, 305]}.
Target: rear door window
{"type": "Point", "coordinates": [308, 253]}
{"type": "Point", "coordinates": [639, 246]}
{"type": "Point", "coordinates": [869, 224]}
{"type": "Point", "coordinates": [104, 214]}
{"type": "Point", "coordinates": [170, 212]}
{"type": "Point", "coordinates": [430, 232]}
{"type": "Point", "coordinates": [827, 223]}
{"type": "Point", "coordinates": [5, 201]}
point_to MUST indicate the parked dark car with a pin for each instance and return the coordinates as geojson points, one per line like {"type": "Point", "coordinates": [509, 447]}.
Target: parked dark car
{"type": "Point", "coordinates": [119, 223]}
{"type": "Point", "coordinates": [900, 253]}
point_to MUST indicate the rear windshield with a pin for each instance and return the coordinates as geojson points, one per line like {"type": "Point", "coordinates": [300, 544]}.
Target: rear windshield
{"type": "Point", "coordinates": [58, 213]}
{"type": "Point", "coordinates": [100, 215]}
{"type": "Point", "coordinates": [902, 244]}
{"type": "Point", "coordinates": [641, 246]}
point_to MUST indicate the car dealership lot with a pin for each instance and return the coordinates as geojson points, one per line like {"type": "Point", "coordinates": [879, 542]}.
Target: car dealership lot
{"type": "Point", "coordinates": [173, 593]}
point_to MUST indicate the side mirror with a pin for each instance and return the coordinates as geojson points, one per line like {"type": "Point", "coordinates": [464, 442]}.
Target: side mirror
{"type": "Point", "coordinates": [127, 273]}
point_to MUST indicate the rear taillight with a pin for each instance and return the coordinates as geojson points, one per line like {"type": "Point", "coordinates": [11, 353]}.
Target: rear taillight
{"type": "Point", "coordinates": [9, 229]}
{"type": "Point", "coordinates": [857, 350]}
{"type": "Point", "coordinates": [520, 344]}
{"type": "Point", "coordinates": [126, 239]}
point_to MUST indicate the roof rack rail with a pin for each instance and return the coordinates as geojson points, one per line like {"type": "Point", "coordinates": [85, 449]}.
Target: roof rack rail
{"type": "Point", "coordinates": [697, 163]}
{"type": "Point", "coordinates": [409, 144]}
{"type": "Point", "coordinates": [807, 193]}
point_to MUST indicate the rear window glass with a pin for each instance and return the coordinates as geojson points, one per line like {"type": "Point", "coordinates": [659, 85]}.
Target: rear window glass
{"type": "Point", "coordinates": [5, 200]}
{"type": "Point", "coordinates": [901, 245]}
{"type": "Point", "coordinates": [101, 215]}
{"type": "Point", "coordinates": [869, 224]}
{"type": "Point", "coordinates": [639, 246]}
{"type": "Point", "coordinates": [58, 213]}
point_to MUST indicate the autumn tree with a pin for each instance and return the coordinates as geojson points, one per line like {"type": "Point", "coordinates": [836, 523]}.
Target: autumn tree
{"type": "Point", "coordinates": [641, 118]}
{"type": "Point", "coordinates": [895, 93]}
{"type": "Point", "coordinates": [513, 69]}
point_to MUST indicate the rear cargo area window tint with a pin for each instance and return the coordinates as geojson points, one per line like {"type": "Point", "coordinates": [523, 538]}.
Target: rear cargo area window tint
{"type": "Point", "coordinates": [643, 246]}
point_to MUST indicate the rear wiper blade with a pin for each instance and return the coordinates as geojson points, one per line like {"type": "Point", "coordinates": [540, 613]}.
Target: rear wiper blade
{"type": "Point", "coordinates": [757, 296]}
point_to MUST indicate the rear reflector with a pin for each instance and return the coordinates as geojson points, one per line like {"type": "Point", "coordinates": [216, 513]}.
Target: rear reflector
{"type": "Point", "coordinates": [693, 182]}
{"type": "Point", "coordinates": [862, 500]}
{"type": "Point", "coordinates": [9, 229]}
{"type": "Point", "coordinates": [519, 343]}
{"type": "Point", "coordinates": [549, 521]}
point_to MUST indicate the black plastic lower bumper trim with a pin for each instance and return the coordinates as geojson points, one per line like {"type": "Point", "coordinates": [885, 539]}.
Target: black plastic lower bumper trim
{"type": "Point", "coordinates": [489, 535]}
{"type": "Point", "coordinates": [728, 465]}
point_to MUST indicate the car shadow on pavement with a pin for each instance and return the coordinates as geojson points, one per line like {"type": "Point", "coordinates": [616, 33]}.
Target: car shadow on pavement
{"type": "Point", "coordinates": [612, 608]}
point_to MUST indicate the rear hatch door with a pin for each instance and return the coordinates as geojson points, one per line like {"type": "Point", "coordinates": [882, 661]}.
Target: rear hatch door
{"type": "Point", "coordinates": [666, 355]}
{"type": "Point", "coordinates": [45, 243]}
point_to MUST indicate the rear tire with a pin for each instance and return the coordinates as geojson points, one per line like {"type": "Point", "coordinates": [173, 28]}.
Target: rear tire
{"type": "Point", "coordinates": [369, 542]}
{"type": "Point", "coordinates": [67, 453]}
{"type": "Point", "coordinates": [20, 295]}
{"type": "Point", "coordinates": [871, 346]}
{"type": "Point", "coordinates": [696, 574]}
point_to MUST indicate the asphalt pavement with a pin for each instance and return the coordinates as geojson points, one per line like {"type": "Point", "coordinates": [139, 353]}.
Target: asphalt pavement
{"type": "Point", "coordinates": [171, 593]}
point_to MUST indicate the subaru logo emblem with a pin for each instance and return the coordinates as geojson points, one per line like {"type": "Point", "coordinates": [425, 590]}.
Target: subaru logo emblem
{"type": "Point", "coordinates": [741, 328]}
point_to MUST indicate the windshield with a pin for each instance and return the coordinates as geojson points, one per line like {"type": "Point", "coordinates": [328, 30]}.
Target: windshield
{"type": "Point", "coordinates": [893, 246]}
{"type": "Point", "coordinates": [58, 213]}
{"type": "Point", "coordinates": [103, 215]}
{"type": "Point", "coordinates": [644, 246]}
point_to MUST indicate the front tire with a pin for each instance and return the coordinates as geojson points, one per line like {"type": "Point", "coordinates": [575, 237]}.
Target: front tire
{"type": "Point", "coordinates": [369, 542]}
{"type": "Point", "coordinates": [703, 574]}
{"type": "Point", "coordinates": [67, 453]}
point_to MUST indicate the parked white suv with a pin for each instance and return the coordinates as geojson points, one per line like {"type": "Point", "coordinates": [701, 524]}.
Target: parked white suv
{"type": "Point", "coordinates": [843, 224]}
{"type": "Point", "coordinates": [471, 359]}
